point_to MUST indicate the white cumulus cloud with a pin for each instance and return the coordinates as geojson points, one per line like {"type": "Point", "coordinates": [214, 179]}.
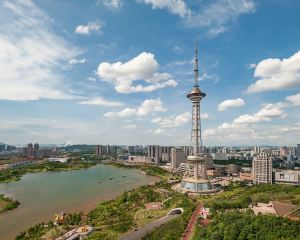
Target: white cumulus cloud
{"type": "Point", "coordinates": [101, 102]}
{"type": "Point", "coordinates": [276, 74]}
{"type": "Point", "coordinates": [89, 28]}
{"type": "Point", "coordinates": [294, 99]}
{"type": "Point", "coordinates": [147, 107]}
{"type": "Point", "coordinates": [32, 56]}
{"type": "Point", "coordinates": [143, 67]}
{"type": "Point", "coordinates": [170, 122]}
{"type": "Point", "coordinates": [178, 7]}
{"type": "Point", "coordinates": [267, 113]}
{"type": "Point", "coordinates": [231, 103]}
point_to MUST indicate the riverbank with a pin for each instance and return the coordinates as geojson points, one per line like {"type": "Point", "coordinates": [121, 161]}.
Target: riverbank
{"type": "Point", "coordinates": [15, 174]}
{"type": "Point", "coordinates": [151, 170]}
{"type": "Point", "coordinates": [46, 193]}
{"type": "Point", "coordinates": [7, 203]}
{"type": "Point", "coordinates": [113, 218]}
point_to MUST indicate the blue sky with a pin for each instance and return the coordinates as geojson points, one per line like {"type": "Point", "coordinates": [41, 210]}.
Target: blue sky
{"type": "Point", "coordinates": [117, 72]}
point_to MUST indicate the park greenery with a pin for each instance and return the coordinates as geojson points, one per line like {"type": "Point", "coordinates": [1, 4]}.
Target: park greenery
{"type": "Point", "coordinates": [235, 225]}
{"type": "Point", "coordinates": [14, 174]}
{"type": "Point", "coordinates": [175, 228]}
{"type": "Point", "coordinates": [230, 218]}
{"type": "Point", "coordinates": [114, 218]}
{"type": "Point", "coordinates": [7, 204]}
{"type": "Point", "coordinates": [239, 195]}
{"type": "Point", "coordinates": [50, 230]}
{"type": "Point", "coordinates": [244, 163]}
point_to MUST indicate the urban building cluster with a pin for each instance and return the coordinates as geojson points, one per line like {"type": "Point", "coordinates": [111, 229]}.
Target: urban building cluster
{"type": "Point", "coordinates": [262, 165]}
{"type": "Point", "coordinates": [34, 151]}
{"type": "Point", "coordinates": [120, 151]}
{"type": "Point", "coordinates": [174, 158]}
{"type": "Point", "coordinates": [4, 148]}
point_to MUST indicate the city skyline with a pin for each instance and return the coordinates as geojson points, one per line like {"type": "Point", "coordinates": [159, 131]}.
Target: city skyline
{"type": "Point", "coordinates": [117, 72]}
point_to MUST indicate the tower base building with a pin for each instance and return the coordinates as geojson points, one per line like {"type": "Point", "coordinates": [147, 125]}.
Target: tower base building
{"type": "Point", "coordinates": [195, 178]}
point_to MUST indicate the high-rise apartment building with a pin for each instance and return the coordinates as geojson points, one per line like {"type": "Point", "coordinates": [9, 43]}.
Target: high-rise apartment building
{"type": "Point", "coordinates": [100, 150]}
{"type": "Point", "coordinates": [154, 152]}
{"type": "Point", "coordinates": [256, 149]}
{"type": "Point", "coordinates": [262, 168]}
{"type": "Point", "coordinates": [106, 150]}
{"type": "Point", "coordinates": [165, 153]}
{"type": "Point", "coordinates": [111, 150]}
{"type": "Point", "coordinates": [177, 157]}
{"type": "Point", "coordinates": [284, 151]}
{"type": "Point", "coordinates": [130, 149]}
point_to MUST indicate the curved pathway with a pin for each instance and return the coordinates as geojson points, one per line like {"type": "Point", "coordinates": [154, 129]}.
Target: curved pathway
{"type": "Point", "coordinates": [141, 232]}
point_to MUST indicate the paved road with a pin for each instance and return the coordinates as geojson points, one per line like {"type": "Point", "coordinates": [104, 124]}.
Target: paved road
{"type": "Point", "coordinates": [188, 231]}
{"type": "Point", "coordinates": [141, 232]}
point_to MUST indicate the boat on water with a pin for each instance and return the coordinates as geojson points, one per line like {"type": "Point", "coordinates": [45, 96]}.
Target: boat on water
{"type": "Point", "coordinates": [99, 181]}
{"type": "Point", "coordinates": [110, 178]}
{"type": "Point", "coordinates": [124, 175]}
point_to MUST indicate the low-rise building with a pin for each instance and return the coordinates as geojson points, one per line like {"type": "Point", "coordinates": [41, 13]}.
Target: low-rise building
{"type": "Point", "coordinates": [233, 168]}
{"type": "Point", "coordinates": [246, 176]}
{"type": "Point", "coordinates": [220, 156]}
{"type": "Point", "coordinates": [287, 177]}
{"type": "Point", "coordinates": [62, 160]}
{"type": "Point", "coordinates": [141, 160]}
{"type": "Point", "coordinates": [215, 172]}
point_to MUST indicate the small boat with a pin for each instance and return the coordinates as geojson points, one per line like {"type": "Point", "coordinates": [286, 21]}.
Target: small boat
{"type": "Point", "coordinates": [124, 176]}
{"type": "Point", "coordinates": [98, 181]}
{"type": "Point", "coordinates": [110, 178]}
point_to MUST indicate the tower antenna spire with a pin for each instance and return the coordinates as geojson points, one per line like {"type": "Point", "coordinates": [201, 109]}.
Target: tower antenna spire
{"type": "Point", "coordinates": [196, 70]}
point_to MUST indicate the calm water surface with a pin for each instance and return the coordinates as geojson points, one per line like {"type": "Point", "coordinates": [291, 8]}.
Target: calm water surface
{"type": "Point", "coordinates": [43, 194]}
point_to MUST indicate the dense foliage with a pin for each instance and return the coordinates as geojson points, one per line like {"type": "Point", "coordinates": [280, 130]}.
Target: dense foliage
{"type": "Point", "coordinates": [8, 203]}
{"type": "Point", "coordinates": [234, 225]}
{"type": "Point", "coordinates": [173, 230]}
{"type": "Point", "coordinates": [237, 196]}
{"type": "Point", "coordinates": [244, 163]}
{"type": "Point", "coordinates": [115, 217]}
{"type": "Point", "coordinates": [73, 219]}
{"type": "Point", "coordinates": [32, 233]}
{"type": "Point", "coordinates": [39, 230]}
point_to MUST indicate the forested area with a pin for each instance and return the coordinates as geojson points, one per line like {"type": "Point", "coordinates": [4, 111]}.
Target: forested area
{"type": "Point", "coordinates": [235, 225]}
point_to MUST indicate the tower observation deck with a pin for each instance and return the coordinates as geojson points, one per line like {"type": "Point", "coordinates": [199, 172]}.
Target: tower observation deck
{"type": "Point", "coordinates": [195, 177]}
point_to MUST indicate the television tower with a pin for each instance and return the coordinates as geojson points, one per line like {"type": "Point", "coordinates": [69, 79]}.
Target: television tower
{"type": "Point", "coordinates": [195, 178]}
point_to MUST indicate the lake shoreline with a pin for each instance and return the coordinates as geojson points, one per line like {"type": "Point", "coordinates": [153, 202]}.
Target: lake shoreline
{"type": "Point", "coordinates": [93, 197]}
{"type": "Point", "coordinates": [42, 167]}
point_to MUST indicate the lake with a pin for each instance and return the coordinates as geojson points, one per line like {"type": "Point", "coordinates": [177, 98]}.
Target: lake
{"type": "Point", "coordinates": [43, 194]}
